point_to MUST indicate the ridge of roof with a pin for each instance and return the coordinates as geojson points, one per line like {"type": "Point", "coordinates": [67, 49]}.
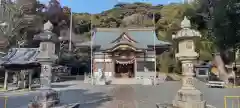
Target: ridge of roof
{"type": "Point", "coordinates": [128, 29]}
{"type": "Point", "coordinates": [127, 36]}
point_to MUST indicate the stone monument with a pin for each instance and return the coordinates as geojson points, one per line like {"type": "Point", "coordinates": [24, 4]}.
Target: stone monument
{"type": "Point", "coordinates": [188, 96]}
{"type": "Point", "coordinates": [147, 80]}
{"type": "Point", "coordinates": [101, 78]}
{"type": "Point", "coordinates": [46, 58]}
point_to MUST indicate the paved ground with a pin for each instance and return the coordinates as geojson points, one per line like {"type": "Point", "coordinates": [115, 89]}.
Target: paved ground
{"type": "Point", "coordinates": [70, 92]}
{"type": "Point", "coordinates": [123, 97]}
{"type": "Point", "coordinates": [166, 93]}
{"type": "Point", "coordinates": [132, 96]}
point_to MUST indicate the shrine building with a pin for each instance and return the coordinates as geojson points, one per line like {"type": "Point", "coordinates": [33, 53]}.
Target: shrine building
{"type": "Point", "coordinates": [125, 52]}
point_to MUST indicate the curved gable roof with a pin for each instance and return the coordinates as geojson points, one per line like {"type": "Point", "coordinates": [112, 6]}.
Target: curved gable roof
{"type": "Point", "coordinates": [144, 36]}
{"type": "Point", "coordinates": [20, 56]}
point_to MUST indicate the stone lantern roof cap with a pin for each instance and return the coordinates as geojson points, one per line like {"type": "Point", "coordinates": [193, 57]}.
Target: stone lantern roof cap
{"type": "Point", "coordinates": [186, 23]}
{"type": "Point", "coordinates": [186, 31]}
{"type": "Point", "coordinates": [48, 26]}
{"type": "Point", "coordinates": [47, 34]}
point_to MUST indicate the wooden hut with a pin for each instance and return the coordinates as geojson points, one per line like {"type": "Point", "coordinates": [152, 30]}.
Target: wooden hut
{"type": "Point", "coordinates": [21, 62]}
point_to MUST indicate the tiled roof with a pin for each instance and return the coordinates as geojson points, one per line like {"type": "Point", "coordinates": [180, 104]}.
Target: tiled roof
{"type": "Point", "coordinates": [144, 36]}
{"type": "Point", "coordinates": [20, 56]}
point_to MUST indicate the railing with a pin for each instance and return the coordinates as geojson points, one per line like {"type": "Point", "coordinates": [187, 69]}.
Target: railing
{"type": "Point", "coordinates": [232, 102]}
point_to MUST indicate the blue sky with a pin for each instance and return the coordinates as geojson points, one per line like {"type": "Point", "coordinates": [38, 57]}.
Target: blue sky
{"type": "Point", "coordinates": [97, 6]}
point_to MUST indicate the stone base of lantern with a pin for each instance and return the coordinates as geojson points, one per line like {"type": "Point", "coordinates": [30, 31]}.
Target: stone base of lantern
{"type": "Point", "coordinates": [189, 98]}
{"type": "Point", "coordinates": [47, 99]}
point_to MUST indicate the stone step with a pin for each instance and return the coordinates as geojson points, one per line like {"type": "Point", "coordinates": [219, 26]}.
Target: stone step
{"type": "Point", "coordinates": [87, 80]}
{"type": "Point", "coordinates": [123, 81]}
{"type": "Point", "coordinates": [77, 105]}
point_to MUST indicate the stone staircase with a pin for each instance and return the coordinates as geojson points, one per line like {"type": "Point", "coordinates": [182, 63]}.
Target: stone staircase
{"type": "Point", "coordinates": [123, 81]}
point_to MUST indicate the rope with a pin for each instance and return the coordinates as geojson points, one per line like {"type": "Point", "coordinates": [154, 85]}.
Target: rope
{"type": "Point", "coordinates": [125, 62]}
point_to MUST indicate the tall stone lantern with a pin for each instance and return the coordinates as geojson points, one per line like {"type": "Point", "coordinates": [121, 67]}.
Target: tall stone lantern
{"type": "Point", "coordinates": [47, 54]}
{"type": "Point", "coordinates": [188, 96]}
{"type": "Point", "coordinates": [46, 58]}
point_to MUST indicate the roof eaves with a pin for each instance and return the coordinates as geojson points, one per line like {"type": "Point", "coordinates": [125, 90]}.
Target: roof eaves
{"type": "Point", "coordinates": [128, 29]}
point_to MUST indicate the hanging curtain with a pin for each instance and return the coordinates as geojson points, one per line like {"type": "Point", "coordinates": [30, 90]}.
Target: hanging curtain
{"type": "Point", "coordinates": [125, 61]}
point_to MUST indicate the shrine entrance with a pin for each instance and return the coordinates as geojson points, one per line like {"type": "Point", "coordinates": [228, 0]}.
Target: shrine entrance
{"type": "Point", "coordinates": [124, 69]}
{"type": "Point", "coordinates": [124, 59]}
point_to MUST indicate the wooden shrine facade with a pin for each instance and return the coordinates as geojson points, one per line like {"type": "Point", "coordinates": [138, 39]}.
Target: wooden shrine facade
{"type": "Point", "coordinates": [124, 63]}
{"type": "Point", "coordinates": [125, 52]}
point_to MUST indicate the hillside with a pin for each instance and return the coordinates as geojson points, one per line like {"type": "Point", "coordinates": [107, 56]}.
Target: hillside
{"type": "Point", "coordinates": [166, 18]}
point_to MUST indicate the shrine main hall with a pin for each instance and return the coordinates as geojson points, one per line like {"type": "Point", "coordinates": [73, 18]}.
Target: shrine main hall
{"type": "Point", "coordinates": [125, 52]}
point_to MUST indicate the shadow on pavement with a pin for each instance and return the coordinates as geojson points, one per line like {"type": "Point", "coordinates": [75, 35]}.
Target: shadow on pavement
{"type": "Point", "coordinates": [54, 86]}
{"type": "Point", "coordinates": [85, 98]}
{"type": "Point", "coordinates": [61, 85]}
{"type": "Point", "coordinates": [168, 78]}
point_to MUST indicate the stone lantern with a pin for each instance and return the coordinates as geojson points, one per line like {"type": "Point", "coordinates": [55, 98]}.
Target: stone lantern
{"type": "Point", "coordinates": [46, 58]}
{"type": "Point", "coordinates": [188, 96]}
{"type": "Point", "coordinates": [47, 54]}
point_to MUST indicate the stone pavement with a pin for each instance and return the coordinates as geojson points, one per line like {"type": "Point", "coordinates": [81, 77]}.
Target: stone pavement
{"type": "Point", "coordinates": [69, 92]}
{"type": "Point", "coordinates": [132, 96]}
{"type": "Point", "coordinates": [148, 96]}
{"type": "Point", "coordinates": [123, 97]}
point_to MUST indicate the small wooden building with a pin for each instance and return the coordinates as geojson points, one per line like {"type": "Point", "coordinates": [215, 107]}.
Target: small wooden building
{"type": "Point", "coordinates": [20, 62]}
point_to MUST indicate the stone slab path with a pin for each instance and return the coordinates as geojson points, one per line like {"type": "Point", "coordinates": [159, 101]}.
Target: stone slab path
{"type": "Point", "coordinates": [123, 97]}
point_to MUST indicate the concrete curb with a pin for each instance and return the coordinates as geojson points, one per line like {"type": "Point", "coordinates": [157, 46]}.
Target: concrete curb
{"type": "Point", "coordinates": [166, 105]}
{"type": "Point", "coordinates": [210, 106]}
{"type": "Point", "coordinates": [229, 86]}
{"type": "Point", "coordinates": [95, 101]}
{"type": "Point", "coordinates": [16, 93]}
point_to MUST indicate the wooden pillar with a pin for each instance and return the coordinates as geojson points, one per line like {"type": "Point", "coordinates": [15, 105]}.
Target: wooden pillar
{"type": "Point", "coordinates": [144, 59]}
{"type": "Point", "coordinates": [135, 67]}
{"type": "Point", "coordinates": [6, 80]}
{"type": "Point", "coordinates": [24, 79]}
{"type": "Point", "coordinates": [104, 65]}
{"type": "Point", "coordinates": [93, 67]}
{"type": "Point", "coordinates": [113, 65]}
{"type": "Point", "coordinates": [30, 79]}
{"type": "Point", "coordinates": [18, 78]}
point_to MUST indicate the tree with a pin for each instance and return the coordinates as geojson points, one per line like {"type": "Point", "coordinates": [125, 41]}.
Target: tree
{"type": "Point", "coordinates": [233, 12]}
{"type": "Point", "coordinates": [32, 18]}
{"type": "Point", "coordinates": [225, 25]}
{"type": "Point", "coordinates": [55, 13]}
{"type": "Point", "coordinates": [12, 23]}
